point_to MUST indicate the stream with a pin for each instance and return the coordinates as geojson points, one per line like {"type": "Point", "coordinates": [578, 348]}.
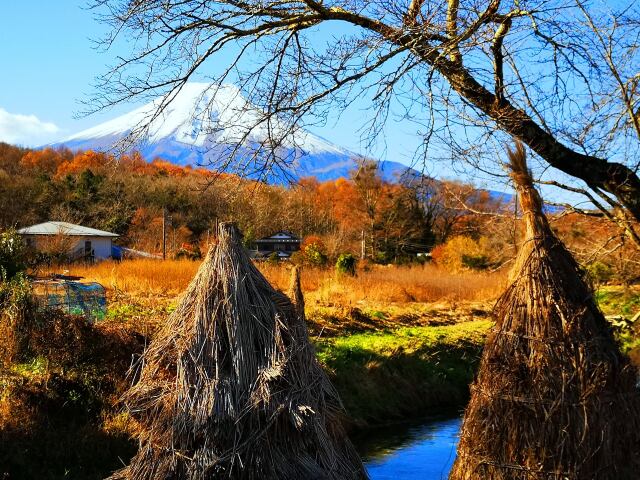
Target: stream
{"type": "Point", "coordinates": [423, 450]}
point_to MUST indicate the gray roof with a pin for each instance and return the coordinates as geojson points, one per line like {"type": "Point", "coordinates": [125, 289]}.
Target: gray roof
{"type": "Point", "coordinates": [64, 228]}
{"type": "Point", "coordinates": [281, 236]}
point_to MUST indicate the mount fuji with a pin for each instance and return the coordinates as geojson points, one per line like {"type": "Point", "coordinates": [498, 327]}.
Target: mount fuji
{"type": "Point", "coordinates": [205, 124]}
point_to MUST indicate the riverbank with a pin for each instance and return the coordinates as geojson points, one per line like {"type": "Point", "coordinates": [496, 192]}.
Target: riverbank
{"type": "Point", "coordinates": [59, 416]}
{"type": "Point", "coordinates": [388, 362]}
{"type": "Point", "coordinates": [405, 372]}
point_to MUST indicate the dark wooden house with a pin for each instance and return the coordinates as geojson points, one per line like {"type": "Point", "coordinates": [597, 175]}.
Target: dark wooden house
{"type": "Point", "coordinates": [283, 243]}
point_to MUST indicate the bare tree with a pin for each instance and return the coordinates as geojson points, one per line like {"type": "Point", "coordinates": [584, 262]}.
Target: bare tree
{"type": "Point", "coordinates": [469, 73]}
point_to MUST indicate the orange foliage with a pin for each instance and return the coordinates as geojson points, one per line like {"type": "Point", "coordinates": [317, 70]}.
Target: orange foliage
{"type": "Point", "coordinates": [167, 168]}
{"type": "Point", "coordinates": [339, 199]}
{"type": "Point", "coordinates": [340, 212]}
{"type": "Point", "coordinates": [87, 160]}
{"type": "Point", "coordinates": [438, 253]}
{"type": "Point", "coordinates": [62, 162]}
{"type": "Point", "coordinates": [582, 231]}
{"type": "Point", "coordinates": [312, 240]}
{"type": "Point", "coordinates": [451, 255]}
{"type": "Point", "coordinates": [134, 163]}
{"type": "Point", "coordinates": [47, 160]}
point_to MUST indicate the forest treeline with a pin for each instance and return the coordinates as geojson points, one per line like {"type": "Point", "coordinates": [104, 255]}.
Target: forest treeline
{"type": "Point", "coordinates": [462, 226]}
{"type": "Point", "coordinates": [127, 195]}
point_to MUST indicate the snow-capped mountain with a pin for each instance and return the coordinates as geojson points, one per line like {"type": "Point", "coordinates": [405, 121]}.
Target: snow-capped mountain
{"type": "Point", "coordinates": [206, 124]}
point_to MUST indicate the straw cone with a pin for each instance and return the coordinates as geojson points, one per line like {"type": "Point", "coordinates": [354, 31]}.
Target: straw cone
{"type": "Point", "coordinates": [554, 397]}
{"type": "Point", "coordinates": [231, 388]}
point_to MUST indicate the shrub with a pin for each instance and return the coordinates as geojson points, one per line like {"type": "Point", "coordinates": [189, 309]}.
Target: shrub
{"type": "Point", "coordinates": [462, 252]}
{"type": "Point", "coordinates": [249, 238]}
{"type": "Point", "coordinates": [12, 254]}
{"type": "Point", "coordinates": [17, 313]}
{"type": "Point", "coordinates": [382, 257]}
{"type": "Point", "coordinates": [600, 272]}
{"type": "Point", "coordinates": [273, 259]}
{"type": "Point", "coordinates": [438, 253]}
{"type": "Point", "coordinates": [314, 251]}
{"type": "Point", "coordinates": [297, 258]}
{"type": "Point", "coordinates": [346, 264]}
{"type": "Point", "coordinates": [475, 262]}
{"type": "Point", "coordinates": [189, 252]}
{"type": "Point", "coordinates": [15, 292]}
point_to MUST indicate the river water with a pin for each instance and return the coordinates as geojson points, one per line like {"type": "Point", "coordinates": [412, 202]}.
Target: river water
{"type": "Point", "coordinates": [423, 450]}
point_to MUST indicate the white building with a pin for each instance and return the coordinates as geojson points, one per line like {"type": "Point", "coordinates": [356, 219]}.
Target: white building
{"type": "Point", "coordinates": [81, 243]}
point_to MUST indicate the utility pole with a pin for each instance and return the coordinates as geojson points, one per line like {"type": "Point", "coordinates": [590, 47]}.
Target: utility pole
{"type": "Point", "coordinates": [164, 233]}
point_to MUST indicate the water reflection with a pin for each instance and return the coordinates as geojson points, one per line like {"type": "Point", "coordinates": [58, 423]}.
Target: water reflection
{"type": "Point", "coordinates": [424, 450]}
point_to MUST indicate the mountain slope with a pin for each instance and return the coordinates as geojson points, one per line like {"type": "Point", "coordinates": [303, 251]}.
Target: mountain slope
{"type": "Point", "coordinates": [207, 124]}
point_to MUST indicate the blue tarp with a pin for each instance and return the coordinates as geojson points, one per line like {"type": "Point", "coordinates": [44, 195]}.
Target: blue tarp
{"type": "Point", "coordinates": [87, 299]}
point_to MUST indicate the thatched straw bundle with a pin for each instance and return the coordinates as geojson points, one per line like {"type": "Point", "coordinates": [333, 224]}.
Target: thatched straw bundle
{"type": "Point", "coordinates": [554, 398]}
{"type": "Point", "coordinates": [231, 388]}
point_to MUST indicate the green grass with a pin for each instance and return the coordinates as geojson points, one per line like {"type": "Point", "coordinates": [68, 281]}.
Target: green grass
{"type": "Point", "coordinates": [33, 368]}
{"type": "Point", "coordinates": [618, 301]}
{"type": "Point", "coordinates": [624, 303]}
{"type": "Point", "coordinates": [386, 376]}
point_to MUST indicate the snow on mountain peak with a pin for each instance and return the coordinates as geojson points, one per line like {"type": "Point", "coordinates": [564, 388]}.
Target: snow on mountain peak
{"type": "Point", "coordinates": [204, 124]}
{"type": "Point", "coordinates": [202, 114]}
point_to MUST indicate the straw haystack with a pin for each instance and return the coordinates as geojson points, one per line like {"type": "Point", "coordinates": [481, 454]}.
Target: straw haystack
{"type": "Point", "coordinates": [554, 398]}
{"type": "Point", "coordinates": [231, 388]}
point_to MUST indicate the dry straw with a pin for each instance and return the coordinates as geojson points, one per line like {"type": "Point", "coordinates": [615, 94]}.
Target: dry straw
{"type": "Point", "coordinates": [231, 388]}
{"type": "Point", "coordinates": [554, 398]}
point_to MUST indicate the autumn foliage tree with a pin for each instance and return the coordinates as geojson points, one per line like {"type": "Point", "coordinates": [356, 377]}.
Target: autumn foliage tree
{"type": "Point", "coordinates": [127, 195]}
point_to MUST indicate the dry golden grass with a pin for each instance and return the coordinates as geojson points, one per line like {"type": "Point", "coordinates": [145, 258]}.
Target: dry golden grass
{"type": "Point", "coordinates": [139, 277]}
{"type": "Point", "coordinates": [392, 284]}
{"type": "Point", "coordinates": [426, 283]}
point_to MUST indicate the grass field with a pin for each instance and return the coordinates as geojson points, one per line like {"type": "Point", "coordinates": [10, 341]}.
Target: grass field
{"type": "Point", "coordinates": [397, 340]}
{"type": "Point", "coordinates": [382, 284]}
{"type": "Point", "coordinates": [143, 292]}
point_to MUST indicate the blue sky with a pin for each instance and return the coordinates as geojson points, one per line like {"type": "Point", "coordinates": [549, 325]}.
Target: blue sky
{"type": "Point", "coordinates": [50, 63]}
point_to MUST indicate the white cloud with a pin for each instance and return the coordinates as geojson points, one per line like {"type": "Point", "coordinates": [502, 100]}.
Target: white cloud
{"type": "Point", "coordinates": [27, 130]}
